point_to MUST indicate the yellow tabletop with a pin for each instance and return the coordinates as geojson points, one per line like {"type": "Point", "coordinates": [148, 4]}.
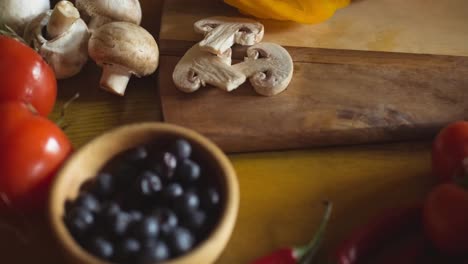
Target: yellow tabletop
{"type": "Point", "coordinates": [281, 192]}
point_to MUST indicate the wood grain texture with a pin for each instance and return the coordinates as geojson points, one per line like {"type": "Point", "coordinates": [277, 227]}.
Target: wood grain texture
{"type": "Point", "coordinates": [280, 191]}
{"type": "Point", "coordinates": [417, 26]}
{"type": "Point", "coordinates": [345, 94]}
{"type": "Point", "coordinates": [335, 97]}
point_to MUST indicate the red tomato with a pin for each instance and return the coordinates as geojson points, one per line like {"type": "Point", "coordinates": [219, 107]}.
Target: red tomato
{"type": "Point", "coordinates": [25, 76]}
{"type": "Point", "coordinates": [450, 151]}
{"type": "Point", "coordinates": [32, 148]}
{"type": "Point", "coordinates": [445, 218]}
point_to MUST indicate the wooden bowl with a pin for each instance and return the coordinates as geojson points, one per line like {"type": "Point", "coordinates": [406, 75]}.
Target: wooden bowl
{"type": "Point", "coordinates": [87, 161]}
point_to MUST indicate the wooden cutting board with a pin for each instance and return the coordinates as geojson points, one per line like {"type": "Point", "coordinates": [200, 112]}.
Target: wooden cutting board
{"type": "Point", "coordinates": [398, 79]}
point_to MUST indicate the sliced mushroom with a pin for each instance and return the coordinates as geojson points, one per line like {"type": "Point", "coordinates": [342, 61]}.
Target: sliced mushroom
{"type": "Point", "coordinates": [123, 49]}
{"type": "Point", "coordinates": [18, 13]}
{"type": "Point", "coordinates": [269, 68]}
{"type": "Point", "coordinates": [221, 33]}
{"type": "Point", "coordinates": [104, 11]}
{"type": "Point", "coordinates": [198, 68]}
{"type": "Point", "coordinates": [65, 43]}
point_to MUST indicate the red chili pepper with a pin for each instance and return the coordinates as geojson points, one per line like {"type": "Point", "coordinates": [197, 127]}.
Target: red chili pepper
{"type": "Point", "coordinates": [304, 254]}
{"type": "Point", "coordinates": [379, 231]}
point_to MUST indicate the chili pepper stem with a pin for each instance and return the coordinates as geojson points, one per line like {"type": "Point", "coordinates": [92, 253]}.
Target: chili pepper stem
{"type": "Point", "coordinates": [307, 253]}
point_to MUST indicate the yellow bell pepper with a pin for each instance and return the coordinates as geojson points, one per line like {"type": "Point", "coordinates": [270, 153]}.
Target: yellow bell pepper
{"type": "Point", "coordinates": [302, 11]}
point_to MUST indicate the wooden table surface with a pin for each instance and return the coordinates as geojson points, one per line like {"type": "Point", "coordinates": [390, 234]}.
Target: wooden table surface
{"type": "Point", "coordinates": [281, 192]}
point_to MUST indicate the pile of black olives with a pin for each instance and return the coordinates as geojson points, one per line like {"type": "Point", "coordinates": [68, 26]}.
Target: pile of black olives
{"type": "Point", "coordinates": [148, 205]}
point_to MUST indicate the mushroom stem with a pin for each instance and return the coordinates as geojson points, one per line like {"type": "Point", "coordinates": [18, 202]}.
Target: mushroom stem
{"type": "Point", "coordinates": [219, 39]}
{"type": "Point", "coordinates": [98, 21]}
{"type": "Point", "coordinates": [63, 16]}
{"type": "Point", "coordinates": [115, 78]}
{"type": "Point", "coordinates": [221, 33]}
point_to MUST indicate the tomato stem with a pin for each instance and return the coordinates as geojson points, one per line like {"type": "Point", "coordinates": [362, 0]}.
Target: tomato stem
{"type": "Point", "coordinates": [31, 108]}
{"type": "Point", "coordinates": [61, 121]}
{"type": "Point", "coordinates": [22, 237]}
{"type": "Point", "coordinates": [6, 201]}
{"type": "Point", "coordinates": [5, 30]}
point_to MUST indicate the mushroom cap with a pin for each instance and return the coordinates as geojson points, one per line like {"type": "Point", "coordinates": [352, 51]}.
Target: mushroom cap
{"type": "Point", "coordinates": [274, 66]}
{"type": "Point", "coordinates": [115, 10]}
{"type": "Point", "coordinates": [269, 67]}
{"type": "Point", "coordinates": [17, 14]}
{"type": "Point", "coordinates": [127, 45]}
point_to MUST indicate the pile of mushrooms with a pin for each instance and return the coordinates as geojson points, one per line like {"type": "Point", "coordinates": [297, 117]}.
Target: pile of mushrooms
{"type": "Point", "coordinates": [108, 31]}
{"type": "Point", "coordinates": [268, 66]}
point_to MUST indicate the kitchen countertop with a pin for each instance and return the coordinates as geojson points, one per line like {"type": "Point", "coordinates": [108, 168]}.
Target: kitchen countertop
{"type": "Point", "coordinates": [281, 192]}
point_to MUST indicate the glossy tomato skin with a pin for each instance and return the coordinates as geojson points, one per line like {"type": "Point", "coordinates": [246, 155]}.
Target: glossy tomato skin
{"type": "Point", "coordinates": [449, 150]}
{"type": "Point", "coordinates": [445, 218]}
{"type": "Point", "coordinates": [25, 76]}
{"type": "Point", "coordinates": [32, 149]}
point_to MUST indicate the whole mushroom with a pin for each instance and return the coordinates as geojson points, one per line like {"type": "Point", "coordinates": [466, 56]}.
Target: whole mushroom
{"type": "Point", "coordinates": [101, 12]}
{"type": "Point", "coordinates": [61, 38]}
{"type": "Point", "coordinates": [123, 49]}
{"type": "Point", "coordinates": [221, 33]}
{"type": "Point", "coordinates": [198, 68]}
{"type": "Point", "coordinates": [269, 68]}
{"type": "Point", "coordinates": [18, 13]}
